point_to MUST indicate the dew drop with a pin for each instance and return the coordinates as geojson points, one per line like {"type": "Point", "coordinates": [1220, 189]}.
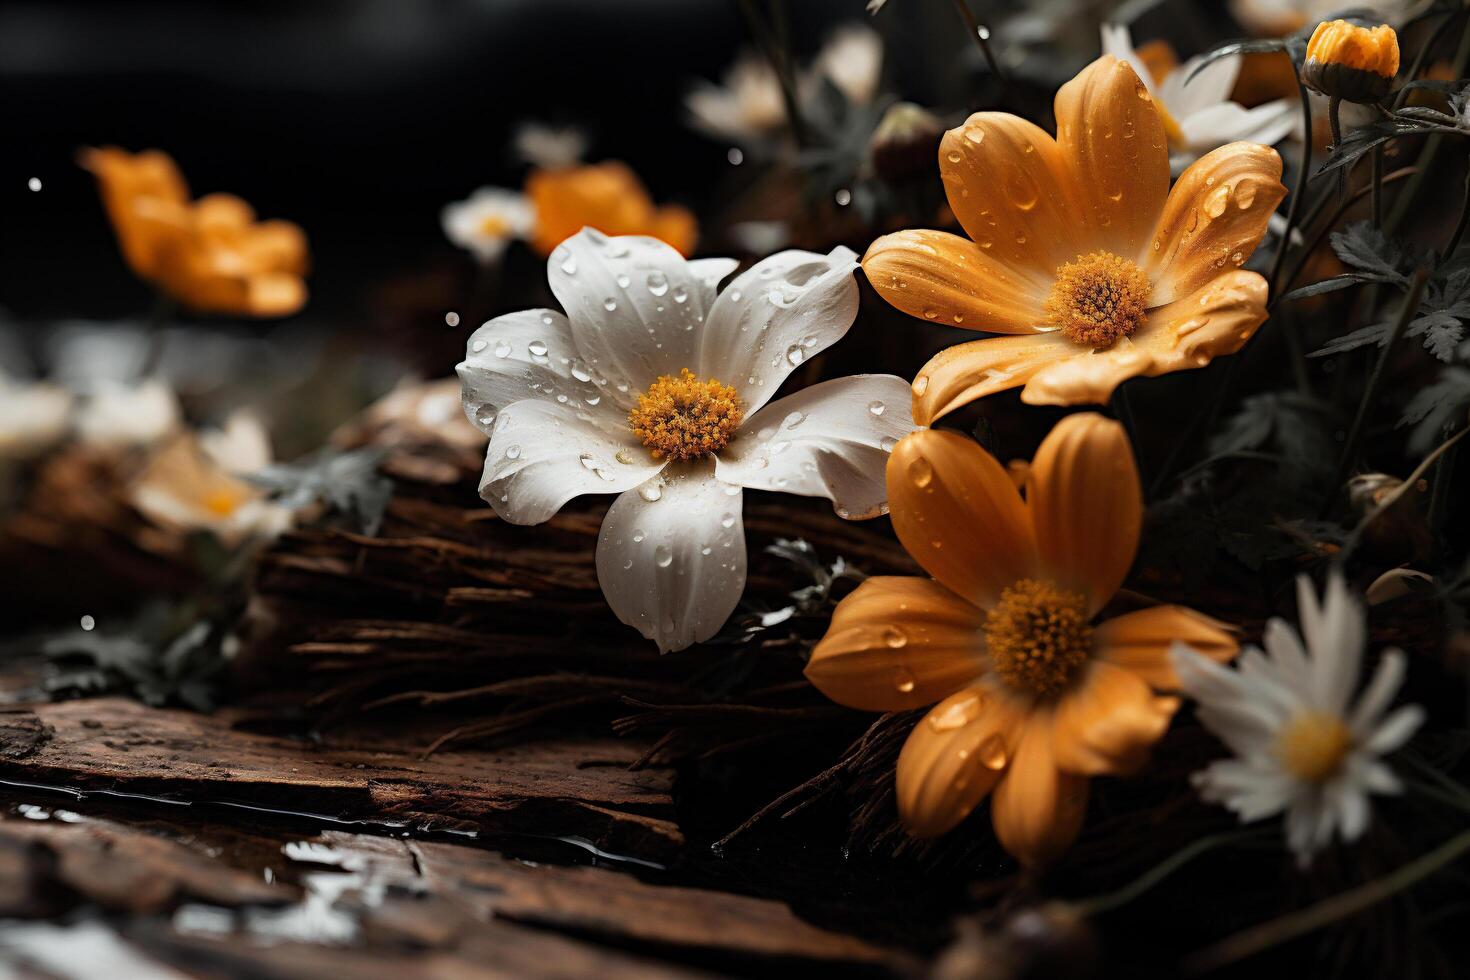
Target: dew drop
{"type": "Point", "coordinates": [662, 556]}
{"type": "Point", "coordinates": [895, 638]}
{"type": "Point", "coordinates": [728, 520]}
{"type": "Point", "coordinates": [479, 345]}
{"type": "Point", "coordinates": [877, 408]}
{"type": "Point", "coordinates": [513, 452]}
{"type": "Point", "coordinates": [537, 348]}
{"type": "Point", "coordinates": [650, 492]}
{"type": "Point", "coordinates": [903, 680]}
{"type": "Point", "coordinates": [658, 283]}
{"type": "Point", "coordinates": [921, 473]}
{"type": "Point", "coordinates": [680, 294]}
{"type": "Point", "coordinates": [795, 355]}
{"type": "Point", "coordinates": [993, 753]}
{"type": "Point", "coordinates": [921, 384]}
{"type": "Point", "coordinates": [452, 319]}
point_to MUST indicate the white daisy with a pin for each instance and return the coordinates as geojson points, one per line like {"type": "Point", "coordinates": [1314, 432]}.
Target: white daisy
{"type": "Point", "coordinates": [852, 60]}
{"type": "Point", "coordinates": [1301, 746]}
{"type": "Point", "coordinates": [654, 386]}
{"type": "Point", "coordinates": [116, 413]}
{"type": "Point", "coordinates": [1198, 114]}
{"type": "Point", "coordinates": [33, 417]}
{"type": "Point", "coordinates": [486, 221]}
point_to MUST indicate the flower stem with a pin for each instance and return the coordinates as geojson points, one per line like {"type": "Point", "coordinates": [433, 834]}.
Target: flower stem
{"type": "Point", "coordinates": [1350, 447]}
{"type": "Point", "coordinates": [1268, 934]}
{"type": "Point", "coordinates": [1293, 210]}
{"type": "Point", "coordinates": [780, 58]}
{"type": "Point", "coordinates": [1377, 186]}
{"type": "Point", "coordinates": [1410, 481]}
{"type": "Point", "coordinates": [980, 34]}
{"type": "Point", "coordinates": [1334, 105]}
{"type": "Point", "coordinates": [1431, 146]}
{"type": "Point", "coordinates": [1099, 904]}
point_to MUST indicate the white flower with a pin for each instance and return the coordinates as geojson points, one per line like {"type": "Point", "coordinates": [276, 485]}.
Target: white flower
{"type": "Point", "coordinates": [119, 414]}
{"type": "Point", "coordinates": [1277, 18]}
{"type": "Point", "coordinates": [1301, 746]}
{"type": "Point", "coordinates": [748, 105]}
{"type": "Point", "coordinates": [487, 220]}
{"type": "Point", "coordinates": [1198, 114]}
{"type": "Point", "coordinates": [194, 483]}
{"type": "Point", "coordinates": [852, 60]}
{"type": "Point", "coordinates": [241, 446]}
{"type": "Point", "coordinates": [550, 147]}
{"type": "Point", "coordinates": [559, 394]}
{"type": "Point", "coordinates": [33, 418]}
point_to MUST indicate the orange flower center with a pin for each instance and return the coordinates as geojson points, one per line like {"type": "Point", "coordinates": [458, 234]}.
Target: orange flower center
{"type": "Point", "coordinates": [494, 226]}
{"type": "Point", "coordinates": [1098, 298]}
{"type": "Point", "coordinates": [1313, 745]}
{"type": "Point", "coordinates": [223, 502]}
{"type": "Point", "coordinates": [1037, 636]}
{"type": "Point", "coordinates": [686, 418]}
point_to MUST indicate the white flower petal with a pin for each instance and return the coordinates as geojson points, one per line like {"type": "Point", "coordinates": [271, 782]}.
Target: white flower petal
{"type": "Point", "coordinates": [830, 440]}
{"type": "Point", "coordinates": [1335, 633]}
{"type": "Point", "coordinates": [671, 556]}
{"type": "Point", "coordinates": [1377, 696]}
{"type": "Point", "coordinates": [774, 316]}
{"type": "Point", "coordinates": [1184, 96]}
{"type": "Point", "coordinates": [710, 273]}
{"type": "Point", "coordinates": [542, 454]}
{"type": "Point", "coordinates": [1227, 122]}
{"type": "Point", "coordinates": [1374, 776]}
{"type": "Point", "coordinates": [528, 354]}
{"type": "Point", "coordinates": [1396, 729]}
{"type": "Point", "coordinates": [635, 307]}
{"type": "Point", "coordinates": [1353, 812]}
{"type": "Point", "coordinates": [1287, 655]}
{"type": "Point", "coordinates": [1118, 42]}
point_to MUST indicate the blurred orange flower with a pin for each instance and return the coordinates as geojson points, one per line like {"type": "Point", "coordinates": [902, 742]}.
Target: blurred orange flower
{"type": "Point", "coordinates": [1033, 695]}
{"type": "Point", "coordinates": [608, 197]}
{"type": "Point", "coordinates": [1079, 249]}
{"type": "Point", "coordinates": [210, 255]}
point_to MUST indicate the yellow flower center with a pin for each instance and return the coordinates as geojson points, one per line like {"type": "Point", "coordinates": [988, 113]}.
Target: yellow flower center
{"type": "Point", "coordinates": [686, 418]}
{"type": "Point", "coordinates": [1098, 298]}
{"type": "Point", "coordinates": [1313, 745]}
{"type": "Point", "coordinates": [223, 502]}
{"type": "Point", "coordinates": [494, 226]}
{"type": "Point", "coordinates": [1037, 636]}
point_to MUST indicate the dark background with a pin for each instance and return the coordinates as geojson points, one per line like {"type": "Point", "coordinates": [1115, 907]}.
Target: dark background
{"type": "Point", "coordinates": [357, 119]}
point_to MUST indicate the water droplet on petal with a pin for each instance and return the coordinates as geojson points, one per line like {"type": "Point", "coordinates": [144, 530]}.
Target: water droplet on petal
{"type": "Point", "coordinates": [662, 556]}
{"type": "Point", "coordinates": [513, 452]}
{"type": "Point", "coordinates": [658, 283]}
{"type": "Point", "coordinates": [921, 472]}
{"type": "Point", "coordinates": [877, 408]}
{"type": "Point", "coordinates": [895, 638]}
{"type": "Point", "coordinates": [479, 345]}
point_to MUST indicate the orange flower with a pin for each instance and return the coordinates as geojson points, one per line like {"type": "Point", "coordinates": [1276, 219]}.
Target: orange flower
{"type": "Point", "coordinates": [1351, 62]}
{"type": "Point", "coordinates": [211, 255]}
{"type": "Point", "coordinates": [1033, 695]}
{"type": "Point", "coordinates": [1079, 248]}
{"type": "Point", "coordinates": [606, 196]}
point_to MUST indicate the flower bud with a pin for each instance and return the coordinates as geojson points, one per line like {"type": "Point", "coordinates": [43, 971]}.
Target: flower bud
{"type": "Point", "coordinates": [906, 143]}
{"type": "Point", "coordinates": [1352, 63]}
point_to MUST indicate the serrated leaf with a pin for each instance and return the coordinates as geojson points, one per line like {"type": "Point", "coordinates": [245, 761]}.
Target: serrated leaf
{"type": "Point", "coordinates": [347, 482]}
{"type": "Point", "coordinates": [1376, 333]}
{"type": "Point", "coordinates": [1330, 285]}
{"type": "Point", "coordinates": [1436, 407]}
{"type": "Point", "coordinates": [1370, 251]}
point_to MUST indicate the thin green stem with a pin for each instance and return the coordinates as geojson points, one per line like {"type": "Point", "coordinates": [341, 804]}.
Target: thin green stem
{"type": "Point", "coordinates": [1376, 187]}
{"type": "Point", "coordinates": [1303, 174]}
{"type": "Point", "coordinates": [1334, 107]}
{"type": "Point", "coordinates": [1355, 433]}
{"type": "Point", "coordinates": [1099, 904]}
{"type": "Point", "coordinates": [1269, 934]}
{"type": "Point", "coordinates": [1431, 146]}
{"type": "Point", "coordinates": [1409, 482]}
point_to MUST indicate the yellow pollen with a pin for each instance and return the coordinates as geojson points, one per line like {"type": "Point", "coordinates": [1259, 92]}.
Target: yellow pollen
{"type": "Point", "coordinates": [222, 502]}
{"type": "Point", "coordinates": [1313, 746]}
{"type": "Point", "coordinates": [1098, 298]}
{"type": "Point", "coordinates": [1037, 636]}
{"type": "Point", "coordinates": [494, 226]}
{"type": "Point", "coordinates": [686, 418]}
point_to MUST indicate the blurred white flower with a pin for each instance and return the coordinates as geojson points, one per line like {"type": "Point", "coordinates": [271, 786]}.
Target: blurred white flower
{"type": "Point", "coordinates": [748, 106]}
{"type": "Point", "coordinates": [1301, 746]}
{"type": "Point", "coordinates": [241, 446]}
{"type": "Point", "coordinates": [1277, 18]}
{"type": "Point", "coordinates": [183, 488]}
{"type": "Point", "coordinates": [116, 413]}
{"type": "Point", "coordinates": [486, 221]}
{"type": "Point", "coordinates": [852, 59]}
{"type": "Point", "coordinates": [33, 417]}
{"type": "Point", "coordinates": [550, 147]}
{"type": "Point", "coordinates": [1198, 114]}
{"type": "Point", "coordinates": [653, 386]}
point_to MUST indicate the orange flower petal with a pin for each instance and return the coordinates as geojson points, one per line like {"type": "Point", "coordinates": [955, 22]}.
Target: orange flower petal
{"type": "Point", "coordinates": [1215, 320]}
{"type": "Point", "coordinates": [957, 512]}
{"type": "Point", "coordinates": [960, 374]}
{"type": "Point", "coordinates": [607, 196]}
{"type": "Point", "coordinates": [675, 225]}
{"type": "Point", "coordinates": [1140, 641]}
{"type": "Point", "coordinates": [954, 757]}
{"type": "Point", "coordinates": [950, 280]}
{"type": "Point", "coordinates": [1037, 808]}
{"type": "Point", "coordinates": [898, 643]}
{"type": "Point", "coordinates": [146, 198]}
{"type": "Point", "coordinates": [1086, 506]}
{"type": "Point", "coordinates": [1112, 136]}
{"type": "Point", "coordinates": [1012, 190]}
{"type": "Point", "coordinates": [1106, 724]}
{"type": "Point", "coordinates": [279, 246]}
{"type": "Point", "coordinates": [1215, 217]}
